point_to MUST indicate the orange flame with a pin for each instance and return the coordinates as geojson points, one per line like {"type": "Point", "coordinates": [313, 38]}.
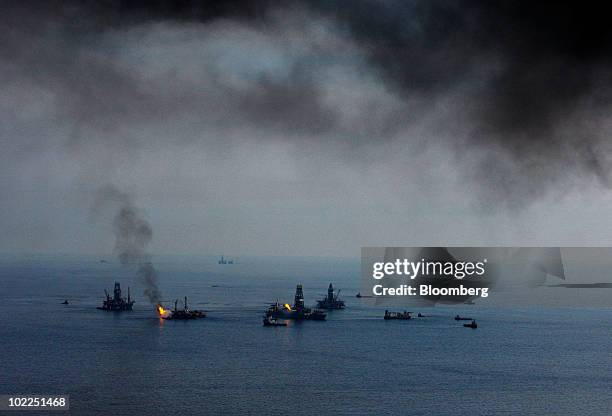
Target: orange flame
{"type": "Point", "coordinates": [163, 313]}
{"type": "Point", "coordinates": [287, 306]}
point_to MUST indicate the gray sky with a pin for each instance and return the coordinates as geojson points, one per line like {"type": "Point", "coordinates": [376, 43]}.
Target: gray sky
{"type": "Point", "coordinates": [301, 130]}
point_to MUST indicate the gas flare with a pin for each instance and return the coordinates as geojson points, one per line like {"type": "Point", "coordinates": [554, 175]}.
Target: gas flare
{"type": "Point", "coordinates": [287, 306]}
{"type": "Point", "coordinates": [163, 313]}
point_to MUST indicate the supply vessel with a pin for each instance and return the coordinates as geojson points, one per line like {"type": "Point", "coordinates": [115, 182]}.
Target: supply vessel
{"type": "Point", "coordinates": [180, 314]}
{"type": "Point", "coordinates": [403, 316]}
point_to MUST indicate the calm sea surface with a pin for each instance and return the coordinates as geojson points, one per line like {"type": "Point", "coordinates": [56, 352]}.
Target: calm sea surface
{"type": "Point", "coordinates": [531, 361]}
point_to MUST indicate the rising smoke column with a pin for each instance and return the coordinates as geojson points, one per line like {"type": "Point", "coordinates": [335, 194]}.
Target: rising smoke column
{"type": "Point", "coordinates": [133, 233]}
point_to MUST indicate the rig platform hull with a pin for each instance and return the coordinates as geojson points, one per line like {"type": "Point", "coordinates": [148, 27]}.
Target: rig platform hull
{"type": "Point", "coordinates": [117, 303]}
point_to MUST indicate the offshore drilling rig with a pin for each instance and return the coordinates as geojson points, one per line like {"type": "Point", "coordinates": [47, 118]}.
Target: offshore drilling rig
{"type": "Point", "coordinates": [117, 303]}
{"type": "Point", "coordinates": [299, 312]}
{"type": "Point", "coordinates": [331, 301]}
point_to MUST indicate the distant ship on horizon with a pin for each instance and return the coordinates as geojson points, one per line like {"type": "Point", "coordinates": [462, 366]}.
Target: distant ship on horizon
{"type": "Point", "coordinates": [223, 260]}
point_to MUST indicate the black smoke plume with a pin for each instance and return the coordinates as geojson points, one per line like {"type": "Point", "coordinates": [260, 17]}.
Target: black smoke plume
{"type": "Point", "coordinates": [133, 233]}
{"type": "Point", "coordinates": [518, 92]}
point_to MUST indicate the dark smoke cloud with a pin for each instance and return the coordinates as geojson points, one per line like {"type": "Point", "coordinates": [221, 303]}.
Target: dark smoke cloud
{"type": "Point", "coordinates": [132, 233]}
{"type": "Point", "coordinates": [533, 78]}
{"type": "Point", "coordinates": [518, 91]}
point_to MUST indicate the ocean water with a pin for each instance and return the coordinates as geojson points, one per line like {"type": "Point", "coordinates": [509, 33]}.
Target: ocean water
{"type": "Point", "coordinates": [521, 360]}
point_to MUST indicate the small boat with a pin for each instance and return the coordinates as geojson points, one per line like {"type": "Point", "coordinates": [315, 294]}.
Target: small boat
{"type": "Point", "coordinates": [462, 318]}
{"type": "Point", "coordinates": [358, 295]}
{"type": "Point", "coordinates": [472, 325]}
{"type": "Point", "coordinates": [269, 321]}
{"type": "Point", "coordinates": [420, 315]}
{"type": "Point", "coordinates": [404, 316]}
{"type": "Point", "coordinates": [65, 302]}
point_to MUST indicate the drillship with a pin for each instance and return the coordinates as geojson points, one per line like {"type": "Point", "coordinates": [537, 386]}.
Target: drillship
{"type": "Point", "coordinates": [299, 312]}
{"type": "Point", "coordinates": [331, 301]}
{"type": "Point", "coordinates": [117, 303]}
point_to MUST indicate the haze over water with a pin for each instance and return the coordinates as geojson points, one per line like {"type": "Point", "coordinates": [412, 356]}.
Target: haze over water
{"type": "Point", "coordinates": [526, 360]}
